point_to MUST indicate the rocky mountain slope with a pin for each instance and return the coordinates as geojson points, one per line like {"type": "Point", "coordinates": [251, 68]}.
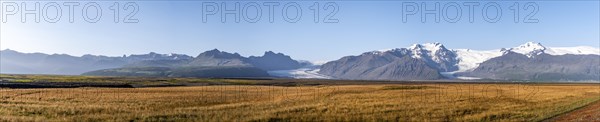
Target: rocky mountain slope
{"type": "Point", "coordinates": [274, 61]}
{"type": "Point", "coordinates": [396, 64]}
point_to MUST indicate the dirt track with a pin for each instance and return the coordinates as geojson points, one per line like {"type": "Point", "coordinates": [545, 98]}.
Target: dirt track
{"type": "Point", "coordinates": [590, 113]}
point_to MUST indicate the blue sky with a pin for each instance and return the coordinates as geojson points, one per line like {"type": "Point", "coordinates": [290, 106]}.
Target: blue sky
{"type": "Point", "coordinates": [178, 27]}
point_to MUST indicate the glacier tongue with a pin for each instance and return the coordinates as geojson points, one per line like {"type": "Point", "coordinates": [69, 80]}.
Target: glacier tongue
{"type": "Point", "coordinates": [451, 75]}
{"type": "Point", "coordinates": [301, 73]}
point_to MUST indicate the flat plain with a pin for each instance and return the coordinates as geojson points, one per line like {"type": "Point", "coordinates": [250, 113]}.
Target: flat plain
{"type": "Point", "coordinates": [291, 100]}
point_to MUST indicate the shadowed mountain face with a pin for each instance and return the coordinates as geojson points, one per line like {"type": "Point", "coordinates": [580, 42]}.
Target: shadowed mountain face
{"type": "Point", "coordinates": [417, 62]}
{"type": "Point", "coordinates": [542, 67]}
{"type": "Point", "coordinates": [213, 64]}
{"type": "Point", "coordinates": [208, 58]}
{"type": "Point", "coordinates": [269, 61]}
{"type": "Point", "coordinates": [390, 65]}
{"type": "Point", "coordinates": [274, 61]}
{"type": "Point", "coordinates": [219, 58]}
{"type": "Point", "coordinates": [39, 63]}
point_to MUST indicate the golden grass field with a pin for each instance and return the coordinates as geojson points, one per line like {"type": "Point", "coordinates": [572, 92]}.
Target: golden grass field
{"type": "Point", "coordinates": [379, 102]}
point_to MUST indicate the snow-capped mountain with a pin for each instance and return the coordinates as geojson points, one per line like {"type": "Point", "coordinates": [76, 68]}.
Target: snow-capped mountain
{"type": "Point", "coordinates": [445, 60]}
{"type": "Point", "coordinates": [434, 54]}
{"type": "Point", "coordinates": [470, 59]}
{"type": "Point", "coordinates": [417, 62]}
{"type": "Point", "coordinates": [462, 60]}
{"type": "Point", "coordinates": [532, 49]}
{"type": "Point", "coordinates": [380, 64]}
{"type": "Point", "coordinates": [533, 61]}
{"type": "Point", "coordinates": [529, 49]}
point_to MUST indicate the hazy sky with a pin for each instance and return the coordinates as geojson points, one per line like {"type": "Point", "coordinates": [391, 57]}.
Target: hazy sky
{"type": "Point", "coordinates": [178, 27]}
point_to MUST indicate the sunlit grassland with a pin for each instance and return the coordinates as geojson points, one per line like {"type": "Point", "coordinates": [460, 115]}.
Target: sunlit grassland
{"type": "Point", "coordinates": [401, 102]}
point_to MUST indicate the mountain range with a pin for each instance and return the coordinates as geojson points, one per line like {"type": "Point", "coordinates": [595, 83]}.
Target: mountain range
{"type": "Point", "coordinates": [430, 61]}
{"type": "Point", "coordinates": [14, 62]}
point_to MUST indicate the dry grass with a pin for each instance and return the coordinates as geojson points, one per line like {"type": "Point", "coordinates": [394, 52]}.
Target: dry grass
{"type": "Point", "coordinates": [430, 102]}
